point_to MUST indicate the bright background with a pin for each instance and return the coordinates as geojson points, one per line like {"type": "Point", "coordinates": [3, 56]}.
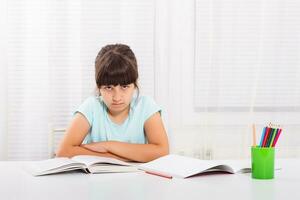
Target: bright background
{"type": "Point", "coordinates": [215, 66]}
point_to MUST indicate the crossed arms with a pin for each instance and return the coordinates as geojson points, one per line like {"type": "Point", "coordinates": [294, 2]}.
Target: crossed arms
{"type": "Point", "coordinates": [156, 135]}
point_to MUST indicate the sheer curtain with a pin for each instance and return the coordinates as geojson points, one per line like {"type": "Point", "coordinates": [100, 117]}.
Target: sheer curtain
{"type": "Point", "coordinates": [3, 80]}
{"type": "Point", "coordinates": [247, 71]}
{"type": "Point", "coordinates": [215, 67]}
{"type": "Point", "coordinates": [230, 63]}
{"type": "Point", "coordinates": [49, 68]}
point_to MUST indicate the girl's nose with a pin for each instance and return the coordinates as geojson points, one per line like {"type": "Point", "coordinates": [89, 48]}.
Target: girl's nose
{"type": "Point", "coordinates": [117, 95]}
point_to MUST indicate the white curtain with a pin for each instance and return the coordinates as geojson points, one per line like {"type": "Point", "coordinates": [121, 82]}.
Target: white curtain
{"type": "Point", "coordinates": [3, 80]}
{"type": "Point", "coordinates": [247, 71]}
{"type": "Point", "coordinates": [229, 64]}
{"type": "Point", "coordinates": [215, 66]}
{"type": "Point", "coordinates": [49, 69]}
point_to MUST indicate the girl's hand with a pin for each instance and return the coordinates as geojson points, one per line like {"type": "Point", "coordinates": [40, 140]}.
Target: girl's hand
{"type": "Point", "coordinates": [96, 146]}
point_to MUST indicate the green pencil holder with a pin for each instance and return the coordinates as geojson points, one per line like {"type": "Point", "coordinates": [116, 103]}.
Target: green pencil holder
{"type": "Point", "coordinates": [262, 162]}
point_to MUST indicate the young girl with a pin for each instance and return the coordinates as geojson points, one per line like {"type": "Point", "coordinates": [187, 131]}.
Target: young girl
{"type": "Point", "coordinates": [116, 123]}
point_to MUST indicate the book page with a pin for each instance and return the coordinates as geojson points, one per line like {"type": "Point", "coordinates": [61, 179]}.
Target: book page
{"type": "Point", "coordinates": [53, 165]}
{"type": "Point", "coordinates": [94, 160]}
{"type": "Point", "coordinates": [243, 166]}
{"type": "Point", "coordinates": [108, 168]}
{"type": "Point", "coordinates": [181, 166]}
{"type": "Point", "coordinates": [177, 166]}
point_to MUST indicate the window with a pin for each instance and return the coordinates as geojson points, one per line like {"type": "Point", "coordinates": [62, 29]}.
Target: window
{"type": "Point", "coordinates": [246, 56]}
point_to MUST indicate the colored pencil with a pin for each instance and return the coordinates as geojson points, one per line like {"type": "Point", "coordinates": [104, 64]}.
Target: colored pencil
{"type": "Point", "coordinates": [254, 135]}
{"type": "Point", "coordinates": [266, 136]}
{"type": "Point", "coordinates": [262, 136]}
{"type": "Point", "coordinates": [276, 138]}
{"type": "Point", "coordinates": [270, 137]}
{"type": "Point", "coordinates": [273, 137]}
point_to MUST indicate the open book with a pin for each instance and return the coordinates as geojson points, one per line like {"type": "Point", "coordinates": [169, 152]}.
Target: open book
{"type": "Point", "coordinates": [168, 166]}
{"type": "Point", "coordinates": [89, 164]}
{"type": "Point", "coordinates": [184, 167]}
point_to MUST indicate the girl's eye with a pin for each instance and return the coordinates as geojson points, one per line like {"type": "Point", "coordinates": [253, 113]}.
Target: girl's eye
{"type": "Point", "coordinates": [107, 87]}
{"type": "Point", "coordinates": [125, 86]}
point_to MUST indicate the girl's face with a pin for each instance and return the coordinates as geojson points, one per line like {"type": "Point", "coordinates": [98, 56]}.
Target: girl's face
{"type": "Point", "coordinates": [117, 98]}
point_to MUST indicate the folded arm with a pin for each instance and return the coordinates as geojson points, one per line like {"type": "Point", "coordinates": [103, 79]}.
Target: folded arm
{"type": "Point", "coordinates": [79, 150]}
{"type": "Point", "coordinates": [71, 144]}
{"type": "Point", "coordinates": [157, 143]}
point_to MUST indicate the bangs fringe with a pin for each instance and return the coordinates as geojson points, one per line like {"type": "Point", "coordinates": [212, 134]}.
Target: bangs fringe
{"type": "Point", "coordinates": [117, 71]}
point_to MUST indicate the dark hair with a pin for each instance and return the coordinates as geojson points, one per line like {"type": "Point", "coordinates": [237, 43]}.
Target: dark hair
{"type": "Point", "coordinates": [116, 64]}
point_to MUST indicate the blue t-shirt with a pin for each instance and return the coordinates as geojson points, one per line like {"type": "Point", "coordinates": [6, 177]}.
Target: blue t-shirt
{"type": "Point", "coordinates": [103, 129]}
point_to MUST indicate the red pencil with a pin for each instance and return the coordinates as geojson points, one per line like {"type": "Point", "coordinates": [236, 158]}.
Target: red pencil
{"type": "Point", "coordinates": [266, 136]}
{"type": "Point", "coordinates": [158, 174]}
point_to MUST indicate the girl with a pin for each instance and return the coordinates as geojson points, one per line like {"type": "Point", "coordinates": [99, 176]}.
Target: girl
{"type": "Point", "coordinates": [116, 123]}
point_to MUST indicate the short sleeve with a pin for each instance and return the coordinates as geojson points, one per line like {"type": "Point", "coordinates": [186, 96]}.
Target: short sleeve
{"type": "Point", "coordinates": [87, 109]}
{"type": "Point", "coordinates": [150, 107]}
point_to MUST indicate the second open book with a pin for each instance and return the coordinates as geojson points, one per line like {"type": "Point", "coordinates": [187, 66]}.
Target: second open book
{"type": "Point", "coordinates": [184, 167]}
{"type": "Point", "coordinates": [170, 165]}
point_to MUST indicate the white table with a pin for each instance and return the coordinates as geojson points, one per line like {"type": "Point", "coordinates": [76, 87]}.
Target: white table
{"type": "Point", "coordinates": [18, 184]}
